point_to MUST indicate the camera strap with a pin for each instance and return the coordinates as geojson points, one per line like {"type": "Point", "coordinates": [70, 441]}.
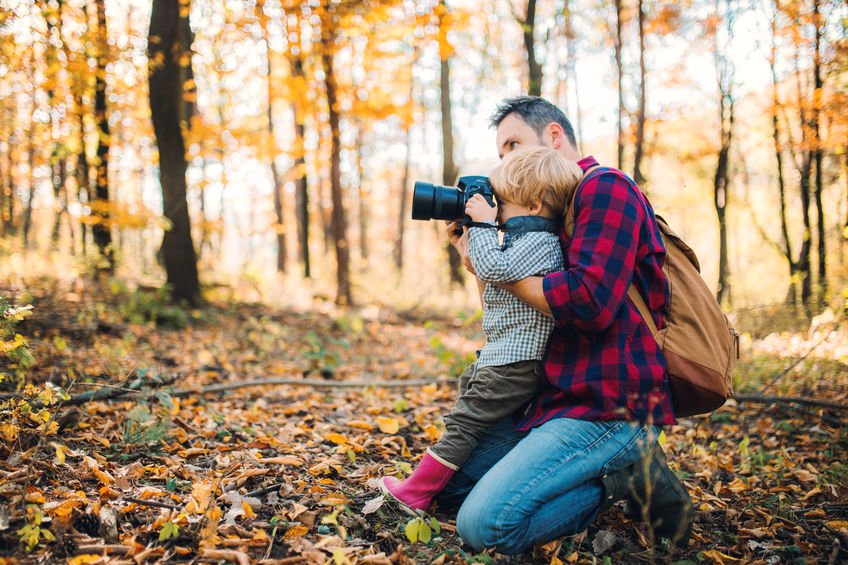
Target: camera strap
{"type": "Point", "coordinates": [482, 225]}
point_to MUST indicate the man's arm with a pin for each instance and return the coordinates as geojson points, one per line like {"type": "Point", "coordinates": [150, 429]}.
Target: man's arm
{"type": "Point", "coordinates": [531, 292]}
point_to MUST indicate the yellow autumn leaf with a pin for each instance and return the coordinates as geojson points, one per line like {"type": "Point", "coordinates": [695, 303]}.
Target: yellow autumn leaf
{"type": "Point", "coordinates": [85, 559]}
{"type": "Point", "coordinates": [362, 425]}
{"type": "Point", "coordinates": [9, 431]}
{"type": "Point", "coordinates": [432, 433]}
{"type": "Point", "coordinates": [248, 511]}
{"type": "Point", "coordinates": [283, 460]}
{"type": "Point", "coordinates": [719, 557]}
{"type": "Point", "coordinates": [296, 531]}
{"type": "Point", "coordinates": [336, 438]}
{"type": "Point", "coordinates": [60, 452]}
{"type": "Point", "coordinates": [737, 485]}
{"type": "Point", "coordinates": [837, 524]}
{"type": "Point", "coordinates": [388, 425]}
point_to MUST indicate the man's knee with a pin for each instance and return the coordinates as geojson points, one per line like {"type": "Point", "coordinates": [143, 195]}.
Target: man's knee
{"type": "Point", "coordinates": [480, 528]}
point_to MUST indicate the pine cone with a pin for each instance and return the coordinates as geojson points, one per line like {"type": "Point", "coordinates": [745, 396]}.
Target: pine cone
{"type": "Point", "coordinates": [88, 524]}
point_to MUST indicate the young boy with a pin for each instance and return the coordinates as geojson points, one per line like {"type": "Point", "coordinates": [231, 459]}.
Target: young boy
{"type": "Point", "coordinates": [533, 186]}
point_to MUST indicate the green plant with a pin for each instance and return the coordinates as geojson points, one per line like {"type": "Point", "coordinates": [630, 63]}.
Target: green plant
{"type": "Point", "coordinates": [14, 351]}
{"type": "Point", "coordinates": [455, 361]}
{"type": "Point", "coordinates": [33, 532]}
{"type": "Point", "coordinates": [143, 305]}
{"type": "Point", "coordinates": [148, 427]}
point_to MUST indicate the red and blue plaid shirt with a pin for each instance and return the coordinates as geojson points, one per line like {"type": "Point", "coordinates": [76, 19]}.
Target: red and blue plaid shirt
{"type": "Point", "coordinates": [602, 363]}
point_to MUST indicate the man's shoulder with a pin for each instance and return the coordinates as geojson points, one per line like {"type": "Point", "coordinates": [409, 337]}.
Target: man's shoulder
{"type": "Point", "coordinates": [607, 181]}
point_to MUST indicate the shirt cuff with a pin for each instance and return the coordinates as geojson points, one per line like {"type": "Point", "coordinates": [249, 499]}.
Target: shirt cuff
{"type": "Point", "coordinates": [555, 286]}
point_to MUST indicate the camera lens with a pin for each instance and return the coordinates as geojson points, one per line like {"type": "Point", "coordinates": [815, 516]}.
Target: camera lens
{"type": "Point", "coordinates": [436, 202]}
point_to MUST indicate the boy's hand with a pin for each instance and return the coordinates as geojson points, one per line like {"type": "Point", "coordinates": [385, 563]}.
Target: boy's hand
{"type": "Point", "coordinates": [479, 210]}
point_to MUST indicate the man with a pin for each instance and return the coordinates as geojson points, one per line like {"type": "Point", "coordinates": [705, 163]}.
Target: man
{"type": "Point", "coordinates": [588, 438]}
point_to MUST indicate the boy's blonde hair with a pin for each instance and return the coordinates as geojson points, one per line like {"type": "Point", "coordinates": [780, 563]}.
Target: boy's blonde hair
{"type": "Point", "coordinates": [536, 173]}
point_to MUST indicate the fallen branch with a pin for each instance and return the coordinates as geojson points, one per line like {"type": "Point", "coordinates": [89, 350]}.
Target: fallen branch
{"type": "Point", "coordinates": [109, 549]}
{"type": "Point", "coordinates": [306, 382]}
{"type": "Point", "coordinates": [112, 392]}
{"type": "Point", "coordinates": [152, 503]}
{"type": "Point", "coordinates": [789, 400]}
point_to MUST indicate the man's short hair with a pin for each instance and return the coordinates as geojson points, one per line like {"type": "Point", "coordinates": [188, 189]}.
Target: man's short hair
{"type": "Point", "coordinates": [536, 172]}
{"type": "Point", "coordinates": [536, 113]}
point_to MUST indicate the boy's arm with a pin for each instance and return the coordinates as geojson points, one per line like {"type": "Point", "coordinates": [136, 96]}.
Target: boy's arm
{"type": "Point", "coordinates": [530, 254]}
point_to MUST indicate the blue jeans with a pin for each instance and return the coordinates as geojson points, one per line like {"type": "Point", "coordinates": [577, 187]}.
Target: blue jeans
{"type": "Point", "coordinates": [520, 488]}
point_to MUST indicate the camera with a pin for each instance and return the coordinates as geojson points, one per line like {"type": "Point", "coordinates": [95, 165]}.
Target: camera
{"type": "Point", "coordinates": [437, 202]}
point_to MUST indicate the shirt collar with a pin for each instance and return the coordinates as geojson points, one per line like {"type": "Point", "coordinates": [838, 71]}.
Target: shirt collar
{"type": "Point", "coordinates": [587, 162]}
{"type": "Point", "coordinates": [524, 224]}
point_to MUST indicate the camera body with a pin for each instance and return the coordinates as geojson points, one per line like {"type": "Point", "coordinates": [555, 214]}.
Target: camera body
{"type": "Point", "coordinates": [437, 202]}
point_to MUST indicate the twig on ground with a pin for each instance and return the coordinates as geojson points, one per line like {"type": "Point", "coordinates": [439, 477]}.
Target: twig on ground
{"type": "Point", "coordinates": [306, 382]}
{"type": "Point", "coordinates": [152, 503]}
{"type": "Point", "coordinates": [790, 399]}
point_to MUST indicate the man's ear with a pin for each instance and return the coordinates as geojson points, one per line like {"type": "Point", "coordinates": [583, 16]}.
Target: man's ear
{"type": "Point", "coordinates": [554, 131]}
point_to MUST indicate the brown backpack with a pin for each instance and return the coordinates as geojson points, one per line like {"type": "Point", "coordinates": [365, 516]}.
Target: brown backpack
{"type": "Point", "coordinates": [698, 343]}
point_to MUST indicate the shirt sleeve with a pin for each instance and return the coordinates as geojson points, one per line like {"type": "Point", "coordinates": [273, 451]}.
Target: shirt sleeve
{"type": "Point", "coordinates": [534, 253]}
{"type": "Point", "coordinates": [601, 256]}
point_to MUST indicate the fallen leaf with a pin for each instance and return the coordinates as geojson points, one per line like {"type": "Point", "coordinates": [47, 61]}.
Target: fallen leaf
{"type": "Point", "coordinates": [373, 505]}
{"type": "Point", "coordinates": [388, 425]}
{"type": "Point", "coordinates": [603, 541]}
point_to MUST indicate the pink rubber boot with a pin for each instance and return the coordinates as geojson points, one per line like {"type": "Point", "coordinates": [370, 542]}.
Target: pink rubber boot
{"type": "Point", "coordinates": [416, 492]}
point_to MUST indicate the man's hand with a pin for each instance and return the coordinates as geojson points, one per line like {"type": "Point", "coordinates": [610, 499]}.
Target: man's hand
{"type": "Point", "coordinates": [479, 210]}
{"type": "Point", "coordinates": [460, 243]}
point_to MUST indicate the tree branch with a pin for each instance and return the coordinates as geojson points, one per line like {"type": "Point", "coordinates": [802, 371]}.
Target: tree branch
{"type": "Point", "coordinates": [790, 399]}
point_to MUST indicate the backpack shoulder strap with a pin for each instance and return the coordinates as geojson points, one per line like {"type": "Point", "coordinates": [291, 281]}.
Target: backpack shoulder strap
{"type": "Point", "coordinates": [568, 221]}
{"type": "Point", "coordinates": [568, 228]}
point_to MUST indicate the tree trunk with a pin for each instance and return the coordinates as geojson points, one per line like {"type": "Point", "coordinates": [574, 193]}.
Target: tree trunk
{"type": "Point", "coordinates": [792, 293]}
{"type": "Point", "coordinates": [362, 194]}
{"type": "Point", "coordinates": [52, 18]}
{"type": "Point", "coordinates": [721, 180]}
{"type": "Point", "coordinates": [804, 171]}
{"type": "Point", "coordinates": [169, 51]}
{"type": "Point", "coordinates": [571, 71]}
{"type": "Point", "coordinates": [101, 230]}
{"type": "Point", "coordinates": [619, 67]}
{"type": "Point", "coordinates": [301, 193]}
{"type": "Point", "coordinates": [338, 221]}
{"type": "Point", "coordinates": [818, 156]}
{"type": "Point", "coordinates": [27, 221]}
{"type": "Point", "coordinates": [279, 228]}
{"type": "Point", "coordinates": [449, 168]}
{"type": "Point", "coordinates": [404, 187]}
{"type": "Point", "coordinates": [643, 94]}
{"type": "Point", "coordinates": [534, 68]}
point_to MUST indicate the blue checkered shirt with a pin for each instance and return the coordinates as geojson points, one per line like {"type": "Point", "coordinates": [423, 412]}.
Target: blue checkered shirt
{"type": "Point", "coordinates": [514, 330]}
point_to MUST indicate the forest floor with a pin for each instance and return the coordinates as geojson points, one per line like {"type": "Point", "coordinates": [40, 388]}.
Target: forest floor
{"type": "Point", "coordinates": [284, 473]}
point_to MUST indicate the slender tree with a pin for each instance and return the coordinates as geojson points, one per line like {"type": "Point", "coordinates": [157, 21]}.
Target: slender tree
{"type": "Point", "coordinates": [407, 168]}
{"type": "Point", "coordinates": [449, 168]}
{"type": "Point", "coordinates": [301, 192]}
{"type": "Point", "coordinates": [338, 221]}
{"type": "Point", "coordinates": [619, 67]}
{"type": "Point", "coordinates": [571, 70]}
{"type": "Point", "coordinates": [818, 151]}
{"type": "Point", "coordinates": [169, 50]}
{"type": "Point", "coordinates": [643, 95]}
{"type": "Point", "coordinates": [102, 231]}
{"type": "Point", "coordinates": [534, 67]}
{"type": "Point", "coordinates": [721, 180]}
{"type": "Point", "coordinates": [786, 244]}
{"type": "Point", "coordinates": [276, 177]}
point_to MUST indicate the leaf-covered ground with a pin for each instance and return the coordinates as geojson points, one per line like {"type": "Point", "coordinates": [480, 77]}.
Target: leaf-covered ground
{"type": "Point", "coordinates": [283, 473]}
